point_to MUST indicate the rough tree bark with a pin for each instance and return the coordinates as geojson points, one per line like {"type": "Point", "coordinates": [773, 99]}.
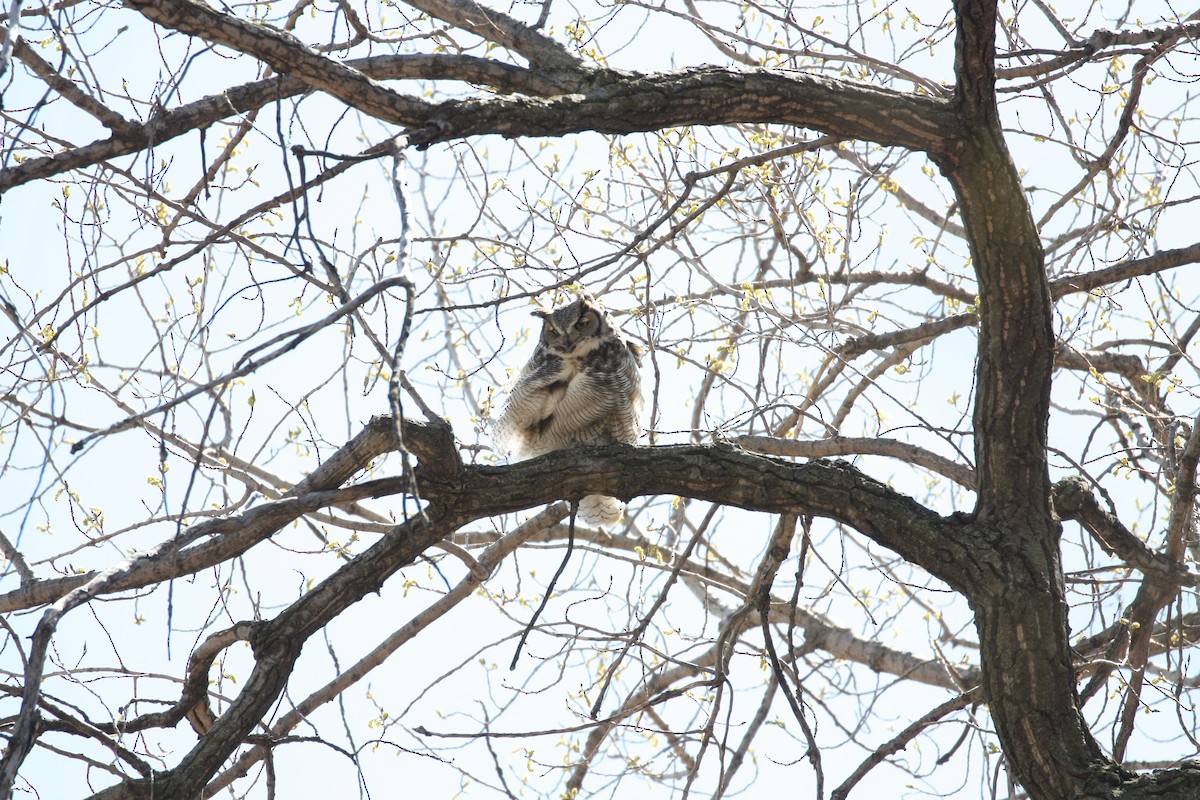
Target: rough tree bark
{"type": "Point", "coordinates": [1018, 594]}
{"type": "Point", "coordinates": [1004, 558]}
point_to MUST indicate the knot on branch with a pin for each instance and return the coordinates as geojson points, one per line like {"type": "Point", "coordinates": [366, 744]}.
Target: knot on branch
{"type": "Point", "coordinates": [1071, 496]}
{"type": "Point", "coordinates": [431, 443]}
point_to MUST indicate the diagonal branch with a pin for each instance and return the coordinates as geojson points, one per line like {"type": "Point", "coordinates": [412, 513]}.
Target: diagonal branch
{"type": "Point", "coordinates": [489, 560]}
{"type": "Point", "coordinates": [277, 644]}
{"type": "Point", "coordinates": [1125, 270]}
{"type": "Point", "coordinates": [170, 124]}
{"type": "Point", "coordinates": [1073, 500]}
{"type": "Point", "coordinates": [67, 89]}
{"type": "Point", "coordinates": [492, 25]}
{"type": "Point", "coordinates": [284, 52]}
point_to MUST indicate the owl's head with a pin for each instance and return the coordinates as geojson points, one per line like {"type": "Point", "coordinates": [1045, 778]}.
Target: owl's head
{"type": "Point", "coordinates": [574, 328]}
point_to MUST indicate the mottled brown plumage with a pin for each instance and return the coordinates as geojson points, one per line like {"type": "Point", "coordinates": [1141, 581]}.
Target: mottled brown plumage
{"type": "Point", "coordinates": [581, 387]}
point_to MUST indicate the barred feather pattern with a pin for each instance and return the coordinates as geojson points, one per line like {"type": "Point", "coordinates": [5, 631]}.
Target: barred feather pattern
{"type": "Point", "coordinates": [581, 387]}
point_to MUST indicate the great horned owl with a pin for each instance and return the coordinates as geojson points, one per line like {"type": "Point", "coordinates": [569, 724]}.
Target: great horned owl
{"type": "Point", "coordinates": [581, 387]}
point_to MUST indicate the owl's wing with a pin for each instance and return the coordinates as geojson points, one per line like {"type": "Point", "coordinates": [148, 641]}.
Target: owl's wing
{"type": "Point", "coordinates": [627, 414]}
{"type": "Point", "coordinates": [629, 418]}
{"type": "Point", "coordinates": [532, 398]}
{"type": "Point", "coordinates": [600, 406]}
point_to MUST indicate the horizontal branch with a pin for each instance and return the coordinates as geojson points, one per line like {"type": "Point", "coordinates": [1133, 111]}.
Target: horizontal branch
{"type": "Point", "coordinates": [718, 473]}
{"type": "Point", "coordinates": [605, 102]}
{"type": "Point", "coordinates": [850, 445]}
{"type": "Point", "coordinates": [944, 546]}
{"type": "Point", "coordinates": [621, 102]}
{"type": "Point", "coordinates": [1100, 40]}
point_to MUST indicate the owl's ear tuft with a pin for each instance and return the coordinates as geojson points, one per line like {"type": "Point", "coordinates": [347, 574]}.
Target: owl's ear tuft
{"type": "Point", "coordinates": [590, 304]}
{"type": "Point", "coordinates": [540, 312]}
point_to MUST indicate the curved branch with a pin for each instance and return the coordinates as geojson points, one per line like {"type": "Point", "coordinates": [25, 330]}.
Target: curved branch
{"type": "Point", "coordinates": [1028, 675]}
{"type": "Point", "coordinates": [943, 546]}
{"type": "Point", "coordinates": [607, 101]}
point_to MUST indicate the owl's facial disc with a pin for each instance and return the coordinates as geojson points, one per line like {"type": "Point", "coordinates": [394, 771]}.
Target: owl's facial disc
{"type": "Point", "coordinates": [566, 336]}
{"type": "Point", "coordinates": [555, 339]}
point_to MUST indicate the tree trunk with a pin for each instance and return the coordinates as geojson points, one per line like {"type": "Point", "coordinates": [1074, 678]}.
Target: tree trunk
{"type": "Point", "coordinates": [1019, 601]}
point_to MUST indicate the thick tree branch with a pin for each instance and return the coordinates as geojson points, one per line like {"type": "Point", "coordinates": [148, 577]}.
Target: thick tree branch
{"type": "Point", "coordinates": [626, 103]}
{"type": "Point", "coordinates": [722, 474]}
{"type": "Point", "coordinates": [1016, 341]}
{"type": "Point", "coordinates": [606, 102]}
{"type": "Point", "coordinates": [719, 473]}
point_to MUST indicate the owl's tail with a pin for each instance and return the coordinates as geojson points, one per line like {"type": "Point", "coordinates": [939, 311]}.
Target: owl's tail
{"type": "Point", "coordinates": [596, 509]}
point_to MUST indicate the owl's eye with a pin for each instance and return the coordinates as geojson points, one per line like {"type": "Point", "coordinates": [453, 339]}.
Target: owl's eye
{"type": "Point", "coordinates": [582, 323]}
